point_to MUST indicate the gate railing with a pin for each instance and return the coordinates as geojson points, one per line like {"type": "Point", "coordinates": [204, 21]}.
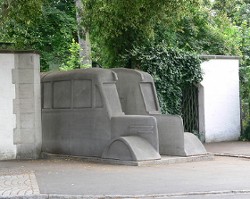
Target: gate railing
{"type": "Point", "coordinates": [190, 109]}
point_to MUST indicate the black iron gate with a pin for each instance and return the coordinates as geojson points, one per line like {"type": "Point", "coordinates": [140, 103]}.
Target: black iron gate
{"type": "Point", "coordinates": [190, 109]}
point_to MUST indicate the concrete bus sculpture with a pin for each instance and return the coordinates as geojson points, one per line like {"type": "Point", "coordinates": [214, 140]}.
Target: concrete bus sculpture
{"type": "Point", "coordinates": [82, 116]}
{"type": "Point", "coordinates": [92, 113]}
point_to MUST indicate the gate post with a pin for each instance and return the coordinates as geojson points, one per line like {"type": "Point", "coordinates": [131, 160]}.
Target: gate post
{"type": "Point", "coordinates": [22, 75]}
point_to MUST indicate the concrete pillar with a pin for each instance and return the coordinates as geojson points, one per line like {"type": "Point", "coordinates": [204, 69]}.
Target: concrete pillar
{"type": "Point", "coordinates": [22, 70]}
{"type": "Point", "coordinates": [7, 117]}
{"type": "Point", "coordinates": [219, 99]}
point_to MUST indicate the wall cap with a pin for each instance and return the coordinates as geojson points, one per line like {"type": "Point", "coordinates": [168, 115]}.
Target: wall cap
{"type": "Point", "coordinates": [2, 51]}
{"type": "Point", "coordinates": [219, 57]}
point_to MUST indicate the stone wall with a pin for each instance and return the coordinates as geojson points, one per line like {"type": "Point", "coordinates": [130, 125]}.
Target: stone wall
{"type": "Point", "coordinates": [7, 117]}
{"type": "Point", "coordinates": [219, 98]}
{"type": "Point", "coordinates": [20, 131]}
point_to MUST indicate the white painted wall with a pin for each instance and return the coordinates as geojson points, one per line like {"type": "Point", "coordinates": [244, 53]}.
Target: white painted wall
{"type": "Point", "coordinates": [219, 100]}
{"type": "Point", "coordinates": [7, 117]}
{"type": "Point", "coordinates": [20, 105]}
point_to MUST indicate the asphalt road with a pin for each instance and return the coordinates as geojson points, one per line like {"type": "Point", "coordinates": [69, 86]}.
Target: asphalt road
{"type": "Point", "coordinates": [224, 177]}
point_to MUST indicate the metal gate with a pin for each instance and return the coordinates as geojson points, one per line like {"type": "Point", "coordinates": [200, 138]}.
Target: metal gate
{"type": "Point", "coordinates": [190, 109]}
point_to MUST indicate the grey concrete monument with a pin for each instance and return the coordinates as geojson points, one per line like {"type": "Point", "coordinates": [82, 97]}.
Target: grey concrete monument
{"type": "Point", "coordinates": [138, 96]}
{"type": "Point", "coordinates": [109, 114]}
{"type": "Point", "coordinates": [82, 116]}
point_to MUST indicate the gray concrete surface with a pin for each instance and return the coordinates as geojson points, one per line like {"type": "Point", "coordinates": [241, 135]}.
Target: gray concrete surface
{"type": "Point", "coordinates": [18, 184]}
{"type": "Point", "coordinates": [82, 116]}
{"type": "Point", "coordinates": [224, 177]}
{"type": "Point", "coordinates": [84, 113]}
{"type": "Point", "coordinates": [20, 112]}
{"type": "Point", "coordinates": [138, 96]}
{"type": "Point", "coordinates": [27, 105]}
{"type": "Point", "coordinates": [237, 148]}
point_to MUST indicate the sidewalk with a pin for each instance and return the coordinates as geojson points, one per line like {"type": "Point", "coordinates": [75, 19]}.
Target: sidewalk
{"type": "Point", "coordinates": [65, 178]}
{"type": "Point", "coordinates": [237, 149]}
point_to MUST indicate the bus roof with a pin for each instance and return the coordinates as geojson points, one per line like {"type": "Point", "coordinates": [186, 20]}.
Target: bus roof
{"type": "Point", "coordinates": [98, 74]}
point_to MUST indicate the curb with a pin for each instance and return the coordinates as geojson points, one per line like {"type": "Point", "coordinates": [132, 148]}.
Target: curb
{"type": "Point", "coordinates": [232, 155]}
{"type": "Point", "coordinates": [58, 196]}
{"type": "Point", "coordinates": [165, 160]}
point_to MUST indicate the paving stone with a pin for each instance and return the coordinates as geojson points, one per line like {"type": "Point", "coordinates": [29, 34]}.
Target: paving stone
{"type": "Point", "coordinates": [23, 184]}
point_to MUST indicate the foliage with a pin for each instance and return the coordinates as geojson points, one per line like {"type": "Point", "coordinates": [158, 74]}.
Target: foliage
{"type": "Point", "coordinates": [245, 136]}
{"type": "Point", "coordinates": [50, 29]}
{"type": "Point", "coordinates": [172, 69]}
{"type": "Point", "coordinates": [228, 7]}
{"type": "Point", "coordinates": [116, 26]}
{"type": "Point", "coordinates": [20, 11]}
{"type": "Point", "coordinates": [74, 60]}
{"type": "Point", "coordinates": [238, 12]}
{"type": "Point", "coordinates": [200, 31]}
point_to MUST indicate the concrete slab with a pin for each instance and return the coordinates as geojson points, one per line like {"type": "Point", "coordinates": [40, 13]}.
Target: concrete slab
{"type": "Point", "coordinates": [165, 160]}
{"type": "Point", "coordinates": [23, 184]}
{"type": "Point", "coordinates": [234, 148]}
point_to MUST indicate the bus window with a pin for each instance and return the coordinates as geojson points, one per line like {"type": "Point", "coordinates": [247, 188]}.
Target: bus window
{"type": "Point", "coordinates": [62, 94]}
{"type": "Point", "coordinates": [47, 99]}
{"type": "Point", "coordinates": [98, 98]}
{"type": "Point", "coordinates": [82, 94]}
{"type": "Point", "coordinates": [149, 96]}
{"type": "Point", "coordinates": [113, 98]}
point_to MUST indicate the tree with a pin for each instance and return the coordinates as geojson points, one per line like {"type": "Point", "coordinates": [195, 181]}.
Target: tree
{"type": "Point", "coordinates": [21, 11]}
{"type": "Point", "coordinates": [205, 33]}
{"type": "Point", "coordinates": [116, 26]}
{"type": "Point", "coordinates": [83, 34]}
{"type": "Point", "coordinates": [49, 29]}
{"type": "Point", "coordinates": [238, 11]}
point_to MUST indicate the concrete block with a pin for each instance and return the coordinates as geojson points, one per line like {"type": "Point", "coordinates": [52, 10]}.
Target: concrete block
{"type": "Point", "coordinates": [131, 148]}
{"type": "Point", "coordinates": [23, 105]}
{"type": "Point", "coordinates": [7, 118]}
{"type": "Point", "coordinates": [7, 154]}
{"type": "Point", "coordinates": [171, 135]}
{"type": "Point", "coordinates": [141, 125]}
{"type": "Point", "coordinates": [27, 61]}
{"type": "Point", "coordinates": [37, 78]}
{"type": "Point", "coordinates": [219, 100]}
{"type": "Point", "coordinates": [28, 151]}
{"type": "Point", "coordinates": [24, 76]}
{"type": "Point", "coordinates": [24, 136]}
{"type": "Point", "coordinates": [137, 92]}
{"type": "Point", "coordinates": [20, 110]}
{"type": "Point", "coordinates": [25, 91]}
{"type": "Point", "coordinates": [193, 146]}
{"type": "Point", "coordinates": [27, 121]}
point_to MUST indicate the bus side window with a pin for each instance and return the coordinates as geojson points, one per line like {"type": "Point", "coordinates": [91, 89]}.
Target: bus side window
{"type": "Point", "coordinates": [98, 98]}
{"type": "Point", "coordinates": [149, 96]}
{"type": "Point", "coordinates": [62, 94]}
{"type": "Point", "coordinates": [47, 95]}
{"type": "Point", "coordinates": [82, 93]}
{"type": "Point", "coordinates": [112, 98]}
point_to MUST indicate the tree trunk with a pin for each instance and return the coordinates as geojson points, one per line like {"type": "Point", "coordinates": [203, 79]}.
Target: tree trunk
{"type": "Point", "coordinates": [83, 35]}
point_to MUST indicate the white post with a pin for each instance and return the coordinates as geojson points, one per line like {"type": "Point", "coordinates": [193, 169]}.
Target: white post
{"type": "Point", "coordinates": [20, 74]}
{"type": "Point", "coordinates": [221, 99]}
{"type": "Point", "coordinates": [7, 117]}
